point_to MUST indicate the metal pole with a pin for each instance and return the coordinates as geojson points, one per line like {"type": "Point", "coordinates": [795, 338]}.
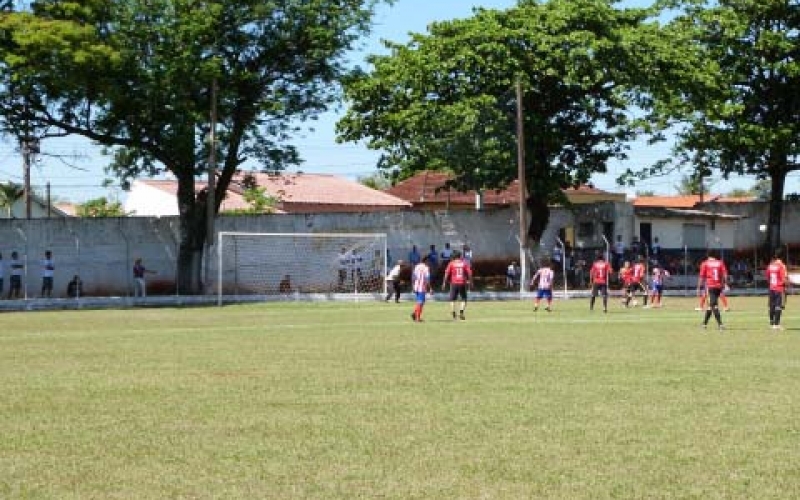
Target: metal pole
{"type": "Point", "coordinates": [523, 191]}
{"type": "Point", "coordinates": [685, 271]}
{"type": "Point", "coordinates": [608, 248]}
{"type": "Point", "coordinates": [563, 263]}
{"type": "Point", "coordinates": [212, 168]}
{"type": "Point", "coordinates": [26, 171]}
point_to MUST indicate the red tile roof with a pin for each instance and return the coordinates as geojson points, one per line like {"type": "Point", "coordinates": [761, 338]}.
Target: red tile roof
{"type": "Point", "coordinates": [422, 189]}
{"type": "Point", "coordinates": [300, 192]}
{"type": "Point", "coordinates": [686, 201]}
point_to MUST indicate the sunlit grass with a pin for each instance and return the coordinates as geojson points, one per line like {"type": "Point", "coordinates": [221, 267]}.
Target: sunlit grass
{"type": "Point", "coordinates": [356, 401]}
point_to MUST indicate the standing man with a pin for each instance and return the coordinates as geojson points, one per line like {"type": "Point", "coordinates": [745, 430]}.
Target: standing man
{"type": "Point", "coordinates": [657, 288]}
{"type": "Point", "coordinates": [139, 283]}
{"type": "Point", "coordinates": [2, 273]}
{"type": "Point", "coordinates": [545, 277]}
{"type": "Point", "coordinates": [619, 252]}
{"type": "Point", "coordinates": [599, 275]}
{"type": "Point", "coordinates": [414, 257]}
{"type": "Point", "coordinates": [640, 279]}
{"type": "Point", "coordinates": [777, 278]}
{"type": "Point", "coordinates": [446, 255]}
{"type": "Point", "coordinates": [459, 274]}
{"type": "Point", "coordinates": [343, 261]}
{"type": "Point", "coordinates": [421, 285]}
{"type": "Point", "coordinates": [15, 276]}
{"type": "Point", "coordinates": [393, 282]}
{"type": "Point", "coordinates": [48, 271]}
{"type": "Point", "coordinates": [714, 275]}
{"type": "Point", "coordinates": [626, 277]}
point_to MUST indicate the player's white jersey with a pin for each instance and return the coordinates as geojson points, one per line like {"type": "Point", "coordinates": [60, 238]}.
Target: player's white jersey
{"type": "Point", "coordinates": [421, 278]}
{"type": "Point", "coordinates": [659, 275]}
{"type": "Point", "coordinates": [545, 275]}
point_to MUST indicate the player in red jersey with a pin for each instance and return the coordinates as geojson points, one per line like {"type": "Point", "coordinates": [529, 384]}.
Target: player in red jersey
{"type": "Point", "coordinates": [714, 276]}
{"type": "Point", "coordinates": [599, 275]}
{"type": "Point", "coordinates": [777, 278]}
{"type": "Point", "coordinates": [545, 278]}
{"type": "Point", "coordinates": [626, 277]}
{"type": "Point", "coordinates": [639, 280]}
{"type": "Point", "coordinates": [459, 274]}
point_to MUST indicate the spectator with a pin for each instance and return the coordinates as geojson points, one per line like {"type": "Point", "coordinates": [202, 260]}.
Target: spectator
{"type": "Point", "coordinates": [466, 254]}
{"type": "Point", "coordinates": [75, 287]}
{"type": "Point", "coordinates": [446, 255]}
{"type": "Point", "coordinates": [15, 276]}
{"type": "Point", "coordinates": [48, 271]}
{"type": "Point", "coordinates": [139, 283]}
{"type": "Point", "coordinates": [285, 285]}
{"type": "Point", "coordinates": [512, 275]}
{"type": "Point", "coordinates": [433, 262]}
{"type": "Point", "coordinates": [393, 282]}
{"type": "Point", "coordinates": [343, 261]}
{"type": "Point", "coordinates": [619, 252]}
{"type": "Point", "coordinates": [414, 257]}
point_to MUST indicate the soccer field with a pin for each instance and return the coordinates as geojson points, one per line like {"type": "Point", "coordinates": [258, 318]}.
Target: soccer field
{"type": "Point", "coordinates": [343, 401]}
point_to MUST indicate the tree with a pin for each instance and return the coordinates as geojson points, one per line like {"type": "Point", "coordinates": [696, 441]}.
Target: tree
{"type": "Point", "coordinates": [739, 109]}
{"type": "Point", "coordinates": [9, 194]}
{"type": "Point", "coordinates": [446, 99]}
{"type": "Point", "coordinates": [378, 180]}
{"type": "Point", "coordinates": [140, 78]}
{"type": "Point", "coordinates": [692, 185]}
{"type": "Point", "coordinates": [100, 207]}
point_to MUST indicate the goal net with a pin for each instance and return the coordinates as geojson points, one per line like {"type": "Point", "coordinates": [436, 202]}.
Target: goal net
{"type": "Point", "coordinates": [293, 264]}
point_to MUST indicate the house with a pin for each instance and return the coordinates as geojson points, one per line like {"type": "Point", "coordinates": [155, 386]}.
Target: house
{"type": "Point", "coordinates": [427, 191]}
{"type": "Point", "coordinates": [294, 193]}
{"type": "Point", "coordinates": [40, 209]}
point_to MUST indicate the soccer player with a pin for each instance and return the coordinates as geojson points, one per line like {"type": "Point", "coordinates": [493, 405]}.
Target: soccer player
{"type": "Point", "coordinates": [713, 275]}
{"type": "Point", "coordinates": [657, 288]}
{"type": "Point", "coordinates": [544, 275]}
{"type": "Point", "coordinates": [393, 282]}
{"type": "Point", "coordinates": [722, 298]}
{"type": "Point", "coordinates": [421, 285]}
{"type": "Point", "coordinates": [639, 280]}
{"type": "Point", "coordinates": [459, 274]}
{"type": "Point", "coordinates": [626, 277]}
{"type": "Point", "coordinates": [598, 275]}
{"type": "Point", "coordinates": [776, 278]}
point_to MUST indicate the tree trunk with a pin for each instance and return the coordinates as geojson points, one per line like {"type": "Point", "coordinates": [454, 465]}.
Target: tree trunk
{"type": "Point", "coordinates": [538, 216]}
{"type": "Point", "coordinates": [192, 230]}
{"type": "Point", "coordinates": [773, 236]}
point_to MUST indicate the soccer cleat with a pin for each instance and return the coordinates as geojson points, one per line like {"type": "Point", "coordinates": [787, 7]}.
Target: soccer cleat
{"type": "Point", "coordinates": [605, 310]}
{"type": "Point", "coordinates": [704, 326]}
{"type": "Point", "coordinates": [727, 309]}
{"type": "Point", "coordinates": [548, 309]}
{"type": "Point", "coordinates": [461, 315]}
{"type": "Point", "coordinates": [698, 308]}
{"type": "Point", "coordinates": [535, 308]}
{"type": "Point", "coordinates": [413, 317]}
{"type": "Point", "coordinates": [454, 315]}
{"type": "Point", "coordinates": [721, 327]}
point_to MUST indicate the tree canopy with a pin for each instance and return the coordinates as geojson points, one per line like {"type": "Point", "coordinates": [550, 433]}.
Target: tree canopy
{"type": "Point", "coordinates": [738, 108]}
{"type": "Point", "coordinates": [136, 76]}
{"type": "Point", "coordinates": [446, 99]}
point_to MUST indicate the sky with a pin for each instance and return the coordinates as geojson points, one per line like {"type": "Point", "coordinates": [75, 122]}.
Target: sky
{"type": "Point", "coordinates": [78, 175]}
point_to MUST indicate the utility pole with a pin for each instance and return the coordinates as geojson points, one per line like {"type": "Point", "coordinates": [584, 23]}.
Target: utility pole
{"type": "Point", "coordinates": [212, 173]}
{"type": "Point", "coordinates": [523, 191]}
{"type": "Point", "coordinates": [27, 151]}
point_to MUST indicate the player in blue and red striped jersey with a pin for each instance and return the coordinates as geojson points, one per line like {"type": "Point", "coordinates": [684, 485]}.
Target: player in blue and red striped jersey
{"type": "Point", "coordinates": [657, 285]}
{"type": "Point", "coordinates": [421, 286]}
{"type": "Point", "coordinates": [459, 274]}
{"type": "Point", "coordinates": [599, 275]}
{"type": "Point", "coordinates": [545, 277]}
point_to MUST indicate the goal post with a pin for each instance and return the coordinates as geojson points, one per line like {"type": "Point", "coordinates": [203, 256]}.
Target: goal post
{"type": "Point", "coordinates": [287, 265]}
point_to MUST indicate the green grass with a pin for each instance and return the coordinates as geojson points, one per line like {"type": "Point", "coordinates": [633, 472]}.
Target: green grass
{"type": "Point", "coordinates": [343, 401]}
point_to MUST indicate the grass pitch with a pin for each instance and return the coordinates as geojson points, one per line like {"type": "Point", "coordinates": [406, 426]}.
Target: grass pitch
{"type": "Point", "coordinates": [343, 401]}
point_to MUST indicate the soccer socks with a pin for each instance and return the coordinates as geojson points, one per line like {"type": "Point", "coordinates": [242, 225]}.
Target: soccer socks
{"type": "Point", "coordinates": [707, 317]}
{"type": "Point", "coordinates": [591, 303]}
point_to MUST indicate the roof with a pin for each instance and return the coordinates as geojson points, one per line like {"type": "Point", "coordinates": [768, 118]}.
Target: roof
{"type": "Point", "coordinates": [427, 188]}
{"type": "Point", "coordinates": [298, 192]}
{"type": "Point", "coordinates": [687, 201]}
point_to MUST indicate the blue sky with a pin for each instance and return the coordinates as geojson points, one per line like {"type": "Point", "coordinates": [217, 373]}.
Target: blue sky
{"type": "Point", "coordinates": [318, 148]}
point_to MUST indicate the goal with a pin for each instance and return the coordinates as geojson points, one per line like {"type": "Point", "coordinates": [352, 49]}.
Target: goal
{"type": "Point", "coordinates": [286, 265]}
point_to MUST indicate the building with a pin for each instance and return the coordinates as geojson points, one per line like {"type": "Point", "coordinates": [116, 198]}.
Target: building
{"type": "Point", "coordinates": [293, 193]}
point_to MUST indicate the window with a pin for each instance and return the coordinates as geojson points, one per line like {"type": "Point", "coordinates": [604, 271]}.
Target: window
{"type": "Point", "coordinates": [585, 229]}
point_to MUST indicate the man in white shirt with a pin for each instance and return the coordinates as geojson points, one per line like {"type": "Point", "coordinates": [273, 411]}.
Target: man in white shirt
{"type": "Point", "coordinates": [48, 271]}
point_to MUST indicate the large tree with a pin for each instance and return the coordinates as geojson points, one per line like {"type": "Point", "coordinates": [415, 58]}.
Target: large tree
{"type": "Point", "coordinates": [738, 111]}
{"type": "Point", "coordinates": [137, 76]}
{"type": "Point", "coordinates": [446, 99]}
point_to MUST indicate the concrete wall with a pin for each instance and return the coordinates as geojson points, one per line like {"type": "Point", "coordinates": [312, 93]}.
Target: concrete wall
{"type": "Point", "coordinates": [102, 250]}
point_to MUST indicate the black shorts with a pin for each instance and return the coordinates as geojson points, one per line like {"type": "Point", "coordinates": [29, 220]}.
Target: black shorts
{"type": "Point", "coordinates": [775, 300]}
{"type": "Point", "coordinates": [599, 289]}
{"type": "Point", "coordinates": [458, 291]}
{"type": "Point", "coordinates": [713, 297]}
